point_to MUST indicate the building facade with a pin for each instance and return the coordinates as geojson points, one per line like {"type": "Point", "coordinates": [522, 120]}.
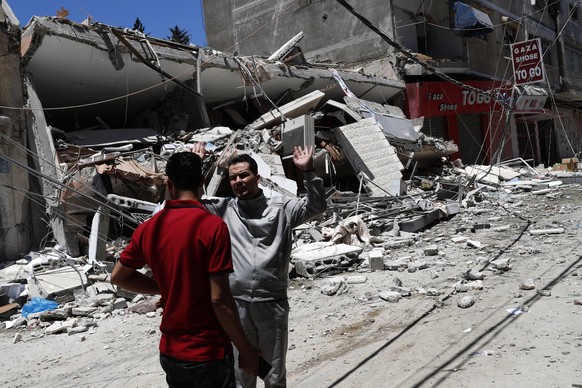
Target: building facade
{"type": "Point", "coordinates": [469, 41]}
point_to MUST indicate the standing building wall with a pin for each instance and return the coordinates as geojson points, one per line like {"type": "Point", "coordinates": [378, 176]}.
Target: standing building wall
{"type": "Point", "coordinates": [15, 220]}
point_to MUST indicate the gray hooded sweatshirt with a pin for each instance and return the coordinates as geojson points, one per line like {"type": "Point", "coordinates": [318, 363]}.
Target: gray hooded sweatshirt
{"type": "Point", "coordinates": [261, 238]}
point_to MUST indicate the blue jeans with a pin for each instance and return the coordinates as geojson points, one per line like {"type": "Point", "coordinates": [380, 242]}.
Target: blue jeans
{"type": "Point", "coordinates": [191, 374]}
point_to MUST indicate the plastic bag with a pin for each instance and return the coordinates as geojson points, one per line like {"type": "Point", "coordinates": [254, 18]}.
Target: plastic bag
{"type": "Point", "coordinates": [37, 305]}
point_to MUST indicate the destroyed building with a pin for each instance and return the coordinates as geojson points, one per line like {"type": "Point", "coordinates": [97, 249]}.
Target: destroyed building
{"type": "Point", "coordinates": [467, 41]}
{"type": "Point", "coordinates": [100, 108]}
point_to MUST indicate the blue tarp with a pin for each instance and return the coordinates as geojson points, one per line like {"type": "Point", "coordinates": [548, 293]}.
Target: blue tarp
{"type": "Point", "coordinates": [471, 21]}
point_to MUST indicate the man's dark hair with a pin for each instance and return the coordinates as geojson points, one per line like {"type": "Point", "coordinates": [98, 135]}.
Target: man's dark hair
{"type": "Point", "coordinates": [245, 158]}
{"type": "Point", "coordinates": [184, 169]}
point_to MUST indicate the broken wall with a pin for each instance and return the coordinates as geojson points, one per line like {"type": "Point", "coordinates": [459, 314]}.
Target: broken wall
{"type": "Point", "coordinates": [333, 35]}
{"type": "Point", "coordinates": [15, 232]}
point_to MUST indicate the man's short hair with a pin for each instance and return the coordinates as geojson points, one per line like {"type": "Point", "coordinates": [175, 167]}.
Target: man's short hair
{"type": "Point", "coordinates": [245, 158]}
{"type": "Point", "coordinates": [184, 169]}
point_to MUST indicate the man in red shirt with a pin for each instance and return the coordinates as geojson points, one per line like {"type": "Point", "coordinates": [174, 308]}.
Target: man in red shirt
{"type": "Point", "coordinates": [188, 251]}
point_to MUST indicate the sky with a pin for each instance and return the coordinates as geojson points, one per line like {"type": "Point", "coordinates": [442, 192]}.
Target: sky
{"type": "Point", "coordinates": [156, 16]}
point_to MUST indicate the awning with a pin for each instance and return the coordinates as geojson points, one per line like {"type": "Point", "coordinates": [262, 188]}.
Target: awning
{"type": "Point", "coordinates": [471, 21]}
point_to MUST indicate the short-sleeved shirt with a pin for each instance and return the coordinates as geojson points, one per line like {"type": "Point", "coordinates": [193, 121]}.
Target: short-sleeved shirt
{"type": "Point", "coordinates": [183, 245]}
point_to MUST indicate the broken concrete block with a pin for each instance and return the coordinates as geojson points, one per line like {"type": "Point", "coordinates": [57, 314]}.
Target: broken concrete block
{"type": "Point", "coordinates": [432, 292]}
{"type": "Point", "coordinates": [356, 279]}
{"type": "Point", "coordinates": [431, 250]}
{"type": "Point", "coordinates": [390, 296]}
{"type": "Point", "coordinates": [466, 302]}
{"type": "Point", "coordinates": [54, 315]}
{"type": "Point", "coordinates": [105, 299]}
{"type": "Point", "coordinates": [452, 208]}
{"type": "Point", "coordinates": [376, 259]}
{"type": "Point", "coordinates": [527, 284]}
{"type": "Point", "coordinates": [335, 286]}
{"type": "Point", "coordinates": [77, 330]}
{"type": "Point", "coordinates": [474, 285]}
{"type": "Point", "coordinates": [537, 232]}
{"type": "Point", "coordinates": [459, 239]}
{"type": "Point", "coordinates": [83, 311]}
{"type": "Point", "coordinates": [473, 244]}
{"type": "Point", "coordinates": [404, 291]}
{"type": "Point", "coordinates": [59, 284]}
{"type": "Point", "coordinates": [473, 274]}
{"type": "Point", "coordinates": [120, 303]}
{"type": "Point", "coordinates": [420, 222]}
{"type": "Point", "coordinates": [313, 259]}
{"type": "Point", "coordinates": [501, 264]}
{"type": "Point", "coordinates": [395, 265]}
{"type": "Point", "coordinates": [417, 265]}
{"type": "Point", "coordinates": [544, 292]}
{"type": "Point", "coordinates": [55, 328]}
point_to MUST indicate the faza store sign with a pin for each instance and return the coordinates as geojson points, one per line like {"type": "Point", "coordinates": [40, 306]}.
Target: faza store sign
{"type": "Point", "coordinates": [444, 98]}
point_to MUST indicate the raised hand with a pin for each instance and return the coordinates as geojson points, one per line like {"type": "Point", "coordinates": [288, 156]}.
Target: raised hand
{"type": "Point", "coordinates": [303, 158]}
{"type": "Point", "coordinates": [199, 149]}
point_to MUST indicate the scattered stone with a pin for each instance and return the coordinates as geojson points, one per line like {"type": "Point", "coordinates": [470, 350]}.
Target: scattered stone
{"type": "Point", "coordinates": [336, 286]}
{"type": "Point", "coordinates": [537, 232]}
{"type": "Point", "coordinates": [460, 287]}
{"type": "Point", "coordinates": [397, 282]}
{"type": "Point", "coordinates": [431, 250]}
{"type": "Point", "coordinates": [56, 328]}
{"type": "Point", "coordinates": [145, 306]}
{"type": "Point", "coordinates": [17, 338]}
{"type": "Point", "coordinates": [105, 299]}
{"type": "Point", "coordinates": [151, 314]}
{"type": "Point", "coordinates": [120, 303]}
{"type": "Point", "coordinates": [433, 292]}
{"type": "Point", "coordinates": [356, 279]}
{"type": "Point", "coordinates": [77, 330]}
{"type": "Point", "coordinates": [527, 284]}
{"type": "Point", "coordinates": [459, 239]}
{"type": "Point", "coordinates": [416, 266]}
{"type": "Point", "coordinates": [54, 315]}
{"type": "Point", "coordinates": [544, 292]}
{"type": "Point", "coordinates": [474, 285]}
{"type": "Point", "coordinates": [473, 244]}
{"type": "Point", "coordinates": [83, 311]}
{"type": "Point", "coordinates": [390, 296]}
{"type": "Point", "coordinates": [395, 265]}
{"type": "Point", "coordinates": [404, 291]}
{"type": "Point", "coordinates": [501, 264]}
{"type": "Point", "coordinates": [578, 302]}
{"type": "Point", "coordinates": [473, 274]}
{"type": "Point", "coordinates": [466, 302]}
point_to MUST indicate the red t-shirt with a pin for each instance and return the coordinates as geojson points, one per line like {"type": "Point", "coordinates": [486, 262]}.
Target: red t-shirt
{"type": "Point", "coordinates": [183, 244]}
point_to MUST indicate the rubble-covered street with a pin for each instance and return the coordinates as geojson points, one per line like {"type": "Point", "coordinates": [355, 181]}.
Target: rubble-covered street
{"type": "Point", "coordinates": [449, 252]}
{"type": "Point", "coordinates": [518, 274]}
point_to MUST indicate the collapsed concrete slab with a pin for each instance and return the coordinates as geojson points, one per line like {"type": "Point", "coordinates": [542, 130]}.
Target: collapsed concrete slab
{"type": "Point", "coordinates": [371, 154]}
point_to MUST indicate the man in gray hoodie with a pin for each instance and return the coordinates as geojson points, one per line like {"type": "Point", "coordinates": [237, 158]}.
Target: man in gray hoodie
{"type": "Point", "coordinates": [261, 237]}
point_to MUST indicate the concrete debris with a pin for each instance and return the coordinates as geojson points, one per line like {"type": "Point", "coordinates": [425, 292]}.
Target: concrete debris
{"type": "Point", "coordinates": [527, 284]}
{"type": "Point", "coordinates": [390, 296]}
{"type": "Point", "coordinates": [473, 274]}
{"type": "Point", "coordinates": [537, 232]}
{"type": "Point", "coordinates": [466, 302]}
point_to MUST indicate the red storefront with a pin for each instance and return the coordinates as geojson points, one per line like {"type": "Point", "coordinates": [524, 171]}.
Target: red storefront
{"type": "Point", "coordinates": [473, 120]}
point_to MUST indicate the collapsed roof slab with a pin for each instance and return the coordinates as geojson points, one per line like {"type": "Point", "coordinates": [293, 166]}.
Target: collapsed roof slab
{"type": "Point", "coordinates": [89, 68]}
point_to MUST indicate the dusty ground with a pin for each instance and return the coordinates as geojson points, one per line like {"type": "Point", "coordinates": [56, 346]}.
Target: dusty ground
{"type": "Point", "coordinates": [357, 339]}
